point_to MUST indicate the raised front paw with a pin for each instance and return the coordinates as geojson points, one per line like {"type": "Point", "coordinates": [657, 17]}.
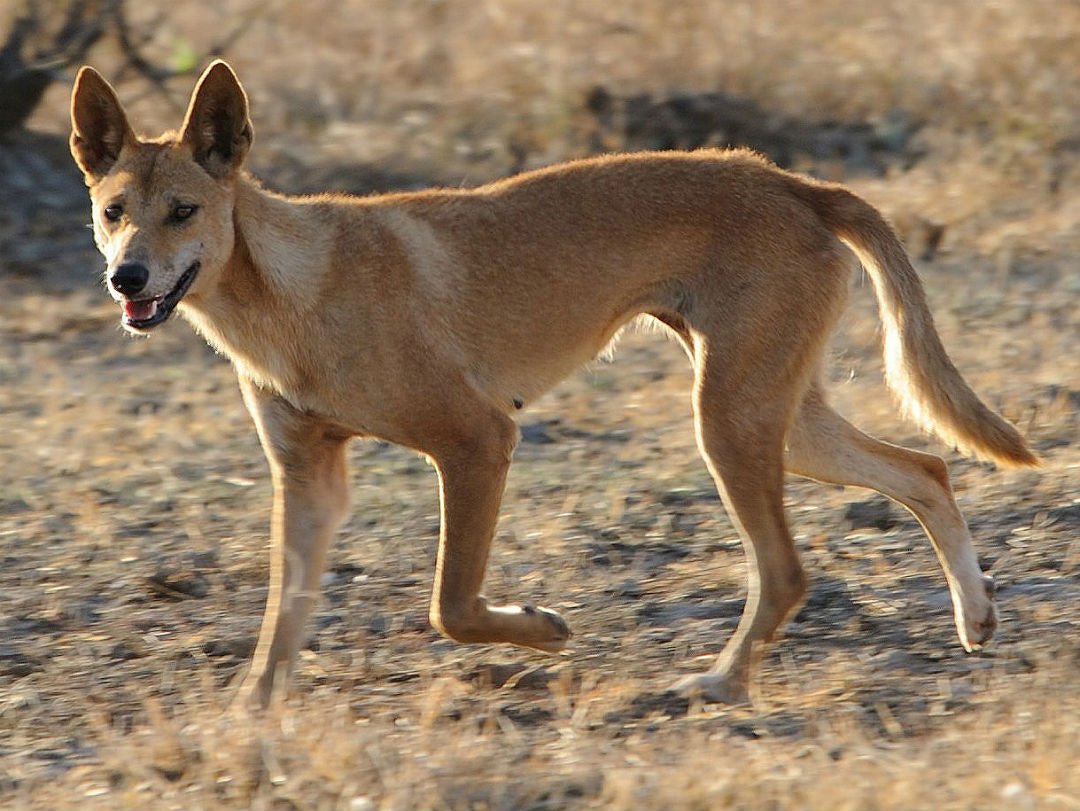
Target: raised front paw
{"type": "Point", "coordinates": [527, 626]}
{"type": "Point", "coordinates": [550, 635]}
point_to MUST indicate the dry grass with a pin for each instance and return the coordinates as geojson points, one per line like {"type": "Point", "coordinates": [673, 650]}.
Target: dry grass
{"type": "Point", "coordinates": [134, 501]}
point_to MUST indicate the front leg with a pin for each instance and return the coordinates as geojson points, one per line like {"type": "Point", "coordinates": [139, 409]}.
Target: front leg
{"type": "Point", "coordinates": [307, 466]}
{"type": "Point", "coordinates": [472, 474]}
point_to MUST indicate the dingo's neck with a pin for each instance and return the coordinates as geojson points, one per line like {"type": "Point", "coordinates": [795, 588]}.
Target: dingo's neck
{"type": "Point", "coordinates": [277, 266]}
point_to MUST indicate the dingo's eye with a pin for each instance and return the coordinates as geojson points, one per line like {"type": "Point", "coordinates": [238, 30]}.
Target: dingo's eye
{"type": "Point", "coordinates": [183, 212]}
{"type": "Point", "coordinates": [113, 212]}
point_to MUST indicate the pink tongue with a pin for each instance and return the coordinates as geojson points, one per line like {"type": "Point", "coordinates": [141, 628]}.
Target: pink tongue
{"type": "Point", "coordinates": [140, 310]}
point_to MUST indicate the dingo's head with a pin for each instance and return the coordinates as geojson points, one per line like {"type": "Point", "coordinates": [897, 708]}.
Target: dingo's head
{"type": "Point", "coordinates": [163, 207]}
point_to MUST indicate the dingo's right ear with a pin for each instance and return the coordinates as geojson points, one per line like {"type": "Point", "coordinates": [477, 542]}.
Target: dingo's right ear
{"type": "Point", "coordinates": [99, 128]}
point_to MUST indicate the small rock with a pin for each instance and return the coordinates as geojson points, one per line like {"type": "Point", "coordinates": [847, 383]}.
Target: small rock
{"type": "Point", "coordinates": [628, 588]}
{"type": "Point", "coordinates": [15, 665]}
{"type": "Point", "coordinates": [123, 652]}
{"type": "Point", "coordinates": [498, 675]}
{"type": "Point", "coordinates": [238, 647]}
{"type": "Point", "coordinates": [179, 584]}
{"type": "Point", "coordinates": [875, 513]}
{"type": "Point", "coordinates": [538, 433]}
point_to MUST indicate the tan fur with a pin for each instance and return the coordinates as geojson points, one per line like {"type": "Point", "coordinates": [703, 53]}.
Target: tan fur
{"type": "Point", "coordinates": [427, 319]}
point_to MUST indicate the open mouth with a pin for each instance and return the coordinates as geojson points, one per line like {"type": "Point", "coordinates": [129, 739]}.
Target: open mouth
{"type": "Point", "coordinates": [148, 313]}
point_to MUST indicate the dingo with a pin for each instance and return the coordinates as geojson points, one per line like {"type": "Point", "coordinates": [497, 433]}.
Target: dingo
{"type": "Point", "coordinates": [427, 319]}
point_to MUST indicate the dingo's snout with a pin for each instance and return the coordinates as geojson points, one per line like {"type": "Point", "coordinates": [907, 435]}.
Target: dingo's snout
{"type": "Point", "coordinates": [129, 279]}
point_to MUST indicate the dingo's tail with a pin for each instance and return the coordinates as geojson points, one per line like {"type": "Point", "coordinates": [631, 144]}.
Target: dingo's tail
{"type": "Point", "coordinates": [917, 368]}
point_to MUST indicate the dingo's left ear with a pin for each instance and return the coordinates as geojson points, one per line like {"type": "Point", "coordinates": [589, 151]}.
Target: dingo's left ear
{"type": "Point", "coordinates": [217, 127]}
{"type": "Point", "coordinates": [99, 128]}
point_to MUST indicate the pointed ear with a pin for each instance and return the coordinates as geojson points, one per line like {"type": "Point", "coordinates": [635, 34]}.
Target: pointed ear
{"type": "Point", "coordinates": [99, 128]}
{"type": "Point", "coordinates": [217, 127]}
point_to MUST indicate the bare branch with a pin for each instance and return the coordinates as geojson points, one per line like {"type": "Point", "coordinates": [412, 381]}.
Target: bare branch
{"type": "Point", "coordinates": [35, 50]}
{"type": "Point", "coordinates": [158, 75]}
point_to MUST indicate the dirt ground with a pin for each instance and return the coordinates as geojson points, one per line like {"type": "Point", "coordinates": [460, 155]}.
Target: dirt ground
{"type": "Point", "coordinates": [134, 497]}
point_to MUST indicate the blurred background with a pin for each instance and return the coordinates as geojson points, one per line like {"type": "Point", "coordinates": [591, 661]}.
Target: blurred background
{"type": "Point", "coordinates": [134, 499]}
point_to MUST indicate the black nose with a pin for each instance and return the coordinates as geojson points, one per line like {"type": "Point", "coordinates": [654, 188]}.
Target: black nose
{"type": "Point", "coordinates": [129, 278]}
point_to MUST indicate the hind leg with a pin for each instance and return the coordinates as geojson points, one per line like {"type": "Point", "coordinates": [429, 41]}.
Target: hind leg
{"type": "Point", "coordinates": [822, 445]}
{"type": "Point", "coordinates": [740, 431]}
